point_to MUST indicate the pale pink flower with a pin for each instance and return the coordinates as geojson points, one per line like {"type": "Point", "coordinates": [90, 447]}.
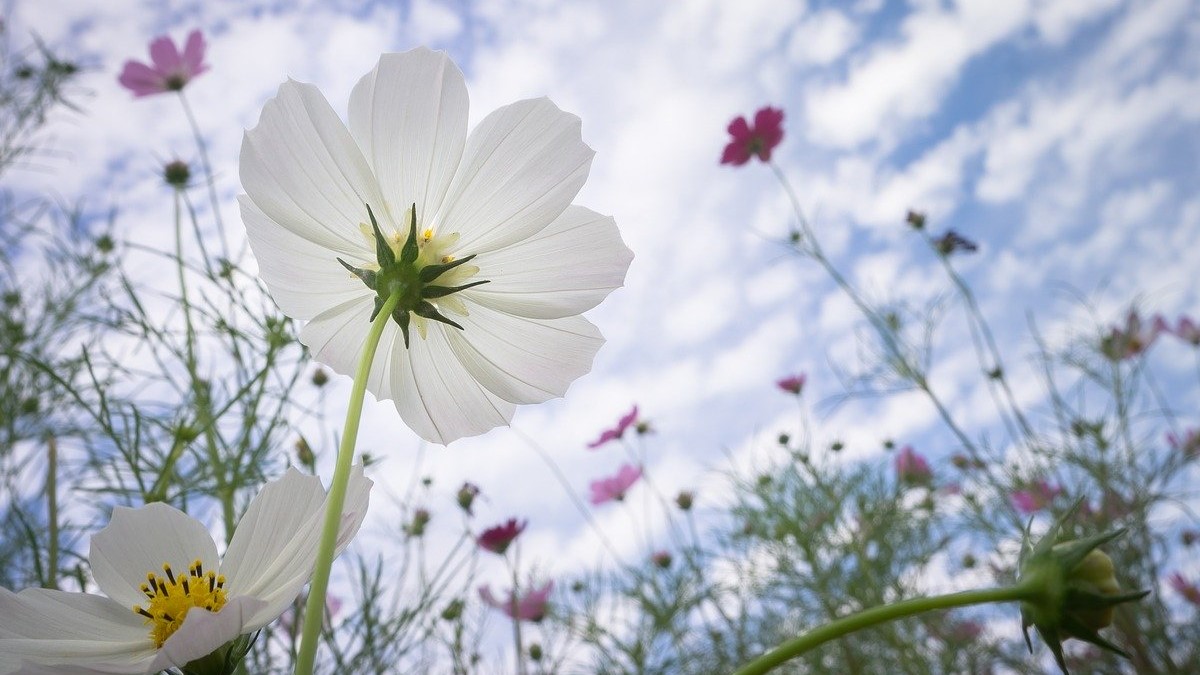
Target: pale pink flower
{"type": "Point", "coordinates": [1187, 331]}
{"type": "Point", "coordinates": [497, 539]}
{"type": "Point", "coordinates": [1037, 496]}
{"type": "Point", "coordinates": [754, 141]}
{"type": "Point", "coordinates": [529, 607]}
{"type": "Point", "coordinates": [1189, 445]}
{"type": "Point", "coordinates": [630, 419]}
{"type": "Point", "coordinates": [169, 69]}
{"type": "Point", "coordinates": [615, 487]}
{"type": "Point", "coordinates": [792, 384]}
{"type": "Point", "coordinates": [1182, 586]}
{"type": "Point", "coordinates": [1134, 338]}
{"type": "Point", "coordinates": [911, 468]}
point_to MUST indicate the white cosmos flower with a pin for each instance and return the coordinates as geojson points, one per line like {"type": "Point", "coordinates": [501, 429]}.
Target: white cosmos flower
{"type": "Point", "coordinates": [502, 194]}
{"type": "Point", "coordinates": [139, 630]}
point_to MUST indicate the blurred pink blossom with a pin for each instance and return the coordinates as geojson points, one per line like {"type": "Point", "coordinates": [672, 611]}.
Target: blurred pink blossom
{"type": "Point", "coordinates": [1187, 331]}
{"type": "Point", "coordinates": [1035, 497]}
{"type": "Point", "coordinates": [497, 539]}
{"type": "Point", "coordinates": [169, 69]}
{"type": "Point", "coordinates": [661, 559]}
{"type": "Point", "coordinates": [1189, 445]}
{"type": "Point", "coordinates": [1134, 338]}
{"type": "Point", "coordinates": [912, 468]}
{"type": "Point", "coordinates": [614, 488]}
{"type": "Point", "coordinates": [628, 420]}
{"type": "Point", "coordinates": [758, 140]}
{"type": "Point", "coordinates": [1182, 586]}
{"type": "Point", "coordinates": [792, 384]}
{"type": "Point", "coordinates": [530, 607]}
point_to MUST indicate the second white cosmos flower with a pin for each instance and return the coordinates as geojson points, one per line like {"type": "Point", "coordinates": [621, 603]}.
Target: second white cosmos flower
{"type": "Point", "coordinates": [495, 262]}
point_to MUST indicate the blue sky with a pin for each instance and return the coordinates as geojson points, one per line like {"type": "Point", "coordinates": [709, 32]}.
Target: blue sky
{"type": "Point", "coordinates": [1061, 135]}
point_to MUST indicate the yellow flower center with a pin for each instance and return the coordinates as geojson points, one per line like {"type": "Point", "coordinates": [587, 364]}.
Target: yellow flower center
{"type": "Point", "coordinates": [171, 597]}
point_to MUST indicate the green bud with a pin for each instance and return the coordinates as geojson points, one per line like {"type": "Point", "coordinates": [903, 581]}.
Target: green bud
{"type": "Point", "coordinates": [105, 244]}
{"type": "Point", "coordinates": [177, 174]}
{"type": "Point", "coordinates": [1076, 589]}
{"type": "Point", "coordinates": [453, 610]}
{"type": "Point", "coordinates": [304, 454]}
{"type": "Point", "coordinates": [535, 652]}
{"type": "Point", "coordinates": [416, 527]}
{"type": "Point", "coordinates": [320, 378]}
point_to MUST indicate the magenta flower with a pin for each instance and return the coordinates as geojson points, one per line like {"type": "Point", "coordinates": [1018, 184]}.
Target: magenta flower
{"type": "Point", "coordinates": [1135, 338]}
{"type": "Point", "coordinates": [792, 384]}
{"type": "Point", "coordinates": [1189, 445]}
{"type": "Point", "coordinates": [1187, 331]}
{"type": "Point", "coordinates": [614, 488]}
{"type": "Point", "coordinates": [911, 468]}
{"type": "Point", "coordinates": [530, 607]}
{"type": "Point", "coordinates": [169, 70]}
{"type": "Point", "coordinates": [758, 140]}
{"type": "Point", "coordinates": [1037, 496]}
{"type": "Point", "coordinates": [497, 539]}
{"type": "Point", "coordinates": [1182, 586]}
{"type": "Point", "coordinates": [661, 559]}
{"type": "Point", "coordinates": [628, 420]}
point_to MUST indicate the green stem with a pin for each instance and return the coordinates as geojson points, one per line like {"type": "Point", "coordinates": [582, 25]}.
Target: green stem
{"type": "Point", "coordinates": [877, 615]}
{"type": "Point", "coordinates": [314, 610]}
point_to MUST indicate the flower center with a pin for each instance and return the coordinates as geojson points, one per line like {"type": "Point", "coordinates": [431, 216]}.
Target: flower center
{"type": "Point", "coordinates": [418, 271]}
{"type": "Point", "coordinates": [171, 597]}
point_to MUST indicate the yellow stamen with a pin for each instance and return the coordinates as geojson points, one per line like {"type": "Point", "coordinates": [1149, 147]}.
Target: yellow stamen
{"type": "Point", "coordinates": [172, 597]}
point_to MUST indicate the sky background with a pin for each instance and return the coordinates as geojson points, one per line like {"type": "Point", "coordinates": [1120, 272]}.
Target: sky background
{"type": "Point", "coordinates": [1060, 135]}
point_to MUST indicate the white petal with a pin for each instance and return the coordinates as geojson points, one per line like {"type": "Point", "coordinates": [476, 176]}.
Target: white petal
{"type": "Point", "coordinates": [522, 166]}
{"type": "Point", "coordinates": [203, 632]}
{"type": "Point", "coordinates": [304, 278]}
{"type": "Point", "coordinates": [409, 116]}
{"type": "Point", "coordinates": [138, 541]}
{"type": "Point", "coordinates": [524, 360]}
{"type": "Point", "coordinates": [436, 396]}
{"type": "Point", "coordinates": [336, 336]}
{"type": "Point", "coordinates": [71, 630]}
{"type": "Point", "coordinates": [274, 546]}
{"type": "Point", "coordinates": [301, 167]}
{"type": "Point", "coordinates": [566, 269]}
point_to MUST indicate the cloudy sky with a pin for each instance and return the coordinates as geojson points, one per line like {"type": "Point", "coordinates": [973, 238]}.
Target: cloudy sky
{"type": "Point", "coordinates": [1061, 135]}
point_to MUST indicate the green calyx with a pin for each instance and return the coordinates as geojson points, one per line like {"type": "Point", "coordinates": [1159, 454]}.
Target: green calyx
{"type": "Point", "coordinates": [1073, 588]}
{"type": "Point", "coordinates": [408, 278]}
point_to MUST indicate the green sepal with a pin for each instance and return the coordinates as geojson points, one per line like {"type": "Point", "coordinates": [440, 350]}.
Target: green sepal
{"type": "Point", "coordinates": [383, 251]}
{"type": "Point", "coordinates": [428, 311]}
{"type": "Point", "coordinates": [224, 661]}
{"type": "Point", "coordinates": [431, 272]}
{"type": "Point", "coordinates": [410, 251]}
{"type": "Point", "coordinates": [435, 292]}
{"type": "Point", "coordinates": [402, 319]}
{"type": "Point", "coordinates": [367, 276]}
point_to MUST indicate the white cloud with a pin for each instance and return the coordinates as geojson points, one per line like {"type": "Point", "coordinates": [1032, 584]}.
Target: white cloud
{"type": "Point", "coordinates": [902, 82]}
{"type": "Point", "coordinates": [822, 38]}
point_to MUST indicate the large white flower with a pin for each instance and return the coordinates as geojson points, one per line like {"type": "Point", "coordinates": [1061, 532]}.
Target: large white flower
{"type": "Point", "coordinates": [169, 599]}
{"type": "Point", "coordinates": [500, 197]}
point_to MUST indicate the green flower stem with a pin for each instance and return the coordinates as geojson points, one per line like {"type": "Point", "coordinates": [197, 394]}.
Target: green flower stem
{"type": "Point", "coordinates": [877, 615]}
{"type": "Point", "coordinates": [314, 610]}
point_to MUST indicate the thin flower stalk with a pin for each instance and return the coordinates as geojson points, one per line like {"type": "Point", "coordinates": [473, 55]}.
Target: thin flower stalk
{"type": "Point", "coordinates": [337, 493]}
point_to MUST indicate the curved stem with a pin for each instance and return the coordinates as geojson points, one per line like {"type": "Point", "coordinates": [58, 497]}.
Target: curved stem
{"type": "Point", "coordinates": [877, 615]}
{"type": "Point", "coordinates": [314, 610]}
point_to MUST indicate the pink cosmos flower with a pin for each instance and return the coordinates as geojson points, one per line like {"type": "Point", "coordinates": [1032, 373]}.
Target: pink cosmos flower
{"type": "Point", "coordinates": [1182, 586]}
{"type": "Point", "coordinates": [1189, 445]}
{"type": "Point", "coordinates": [1135, 338]}
{"type": "Point", "coordinates": [1037, 496]}
{"type": "Point", "coordinates": [911, 468]}
{"type": "Point", "coordinates": [792, 384]}
{"type": "Point", "coordinates": [758, 140]}
{"type": "Point", "coordinates": [614, 488]}
{"type": "Point", "coordinates": [1187, 331]}
{"type": "Point", "coordinates": [530, 607]}
{"type": "Point", "coordinates": [497, 539]}
{"type": "Point", "coordinates": [169, 70]}
{"type": "Point", "coordinates": [628, 420]}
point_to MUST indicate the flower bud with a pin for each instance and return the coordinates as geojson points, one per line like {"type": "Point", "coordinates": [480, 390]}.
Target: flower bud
{"type": "Point", "coordinates": [177, 174]}
{"type": "Point", "coordinates": [466, 496]}
{"type": "Point", "coordinates": [1074, 589]}
{"type": "Point", "coordinates": [416, 527]}
{"type": "Point", "coordinates": [684, 500]}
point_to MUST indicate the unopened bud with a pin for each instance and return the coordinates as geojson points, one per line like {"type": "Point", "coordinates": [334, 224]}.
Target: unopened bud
{"type": "Point", "coordinates": [684, 500]}
{"type": "Point", "coordinates": [320, 378]}
{"type": "Point", "coordinates": [177, 174]}
{"type": "Point", "coordinates": [416, 527]}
